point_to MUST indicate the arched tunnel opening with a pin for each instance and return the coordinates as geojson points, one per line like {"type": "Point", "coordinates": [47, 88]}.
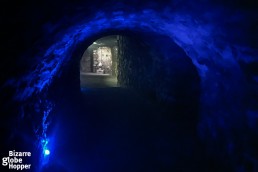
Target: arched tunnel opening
{"type": "Point", "coordinates": [178, 94]}
{"type": "Point", "coordinates": [154, 102]}
{"type": "Point", "coordinates": [164, 73]}
{"type": "Point", "coordinates": [98, 65]}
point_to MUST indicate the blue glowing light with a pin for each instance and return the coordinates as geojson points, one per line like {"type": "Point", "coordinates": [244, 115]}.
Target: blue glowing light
{"type": "Point", "coordinates": [46, 152]}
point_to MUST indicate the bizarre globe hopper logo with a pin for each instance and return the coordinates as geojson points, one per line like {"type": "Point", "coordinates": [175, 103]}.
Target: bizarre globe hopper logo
{"type": "Point", "coordinates": [15, 160]}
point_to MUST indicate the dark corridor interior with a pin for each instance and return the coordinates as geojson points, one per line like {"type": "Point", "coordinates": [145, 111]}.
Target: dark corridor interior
{"type": "Point", "coordinates": [119, 127]}
{"type": "Point", "coordinates": [130, 86]}
{"type": "Point", "coordinates": [124, 128]}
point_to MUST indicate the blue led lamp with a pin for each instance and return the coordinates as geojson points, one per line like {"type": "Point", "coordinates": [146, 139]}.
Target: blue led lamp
{"type": "Point", "coordinates": [46, 152]}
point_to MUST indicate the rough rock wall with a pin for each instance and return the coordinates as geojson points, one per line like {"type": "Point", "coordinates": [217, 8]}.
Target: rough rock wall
{"type": "Point", "coordinates": [114, 51]}
{"type": "Point", "coordinates": [223, 92]}
{"type": "Point", "coordinates": [86, 62]}
{"type": "Point", "coordinates": [162, 70]}
{"type": "Point", "coordinates": [134, 65]}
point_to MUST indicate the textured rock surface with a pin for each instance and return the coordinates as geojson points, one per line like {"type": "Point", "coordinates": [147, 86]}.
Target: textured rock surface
{"type": "Point", "coordinates": [159, 68]}
{"type": "Point", "coordinates": [46, 41]}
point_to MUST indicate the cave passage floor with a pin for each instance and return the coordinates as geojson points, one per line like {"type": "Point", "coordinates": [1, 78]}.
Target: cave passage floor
{"type": "Point", "coordinates": [94, 80]}
{"type": "Point", "coordinates": [115, 129]}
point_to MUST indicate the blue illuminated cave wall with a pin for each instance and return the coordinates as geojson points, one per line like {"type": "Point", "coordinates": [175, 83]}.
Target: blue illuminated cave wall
{"type": "Point", "coordinates": [220, 39]}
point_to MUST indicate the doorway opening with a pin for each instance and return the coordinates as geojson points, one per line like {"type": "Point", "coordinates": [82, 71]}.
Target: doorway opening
{"type": "Point", "coordinates": [98, 65]}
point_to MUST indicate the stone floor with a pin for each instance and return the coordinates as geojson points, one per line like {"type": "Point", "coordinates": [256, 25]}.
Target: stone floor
{"type": "Point", "coordinates": [94, 80]}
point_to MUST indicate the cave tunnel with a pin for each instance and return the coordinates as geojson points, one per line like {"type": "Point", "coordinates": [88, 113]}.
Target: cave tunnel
{"type": "Point", "coordinates": [130, 86]}
{"type": "Point", "coordinates": [98, 65]}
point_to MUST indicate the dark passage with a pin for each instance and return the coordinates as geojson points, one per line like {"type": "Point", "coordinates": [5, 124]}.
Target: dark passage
{"type": "Point", "coordinates": [114, 128]}
{"type": "Point", "coordinates": [118, 129]}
